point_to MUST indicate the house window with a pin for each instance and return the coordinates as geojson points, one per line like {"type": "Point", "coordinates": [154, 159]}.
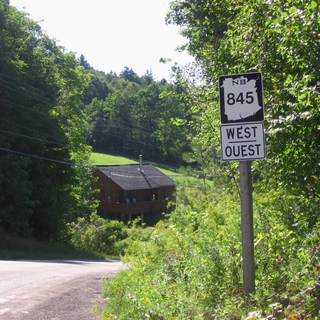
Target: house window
{"type": "Point", "coordinates": [103, 196]}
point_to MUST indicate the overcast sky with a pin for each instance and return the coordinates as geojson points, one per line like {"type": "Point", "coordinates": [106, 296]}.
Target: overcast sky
{"type": "Point", "coordinates": [111, 34]}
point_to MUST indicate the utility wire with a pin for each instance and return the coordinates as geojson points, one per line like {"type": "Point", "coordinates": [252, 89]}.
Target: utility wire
{"type": "Point", "coordinates": [107, 133]}
{"type": "Point", "coordinates": [18, 125]}
{"type": "Point", "coordinates": [148, 145]}
{"type": "Point", "coordinates": [121, 173]}
{"type": "Point", "coordinates": [28, 85]}
{"type": "Point", "coordinates": [119, 137]}
{"type": "Point", "coordinates": [21, 106]}
{"type": "Point", "coordinates": [143, 128]}
{"type": "Point", "coordinates": [34, 97]}
{"type": "Point", "coordinates": [128, 139]}
{"type": "Point", "coordinates": [22, 135]}
{"type": "Point", "coordinates": [119, 126]}
{"type": "Point", "coordinates": [171, 137]}
{"type": "Point", "coordinates": [48, 159]}
{"type": "Point", "coordinates": [152, 162]}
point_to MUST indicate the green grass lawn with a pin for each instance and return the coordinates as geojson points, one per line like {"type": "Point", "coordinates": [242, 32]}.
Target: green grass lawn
{"type": "Point", "coordinates": [106, 159]}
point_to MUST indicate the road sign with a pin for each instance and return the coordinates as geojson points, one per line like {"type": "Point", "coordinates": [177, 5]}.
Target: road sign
{"type": "Point", "coordinates": [242, 141]}
{"type": "Point", "coordinates": [241, 98]}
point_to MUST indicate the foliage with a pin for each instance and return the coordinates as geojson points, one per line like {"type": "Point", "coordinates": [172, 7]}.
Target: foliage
{"type": "Point", "coordinates": [98, 235]}
{"type": "Point", "coordinates": [42, 129]}
{"type": "Point", "coordinates": [279, 39]}
{"type": "Point", "coordinates": [17, 248]}
{"type": "Point", "coordinates": [135, 115]}
{"type": "Point", "coordinates": [190, 267]}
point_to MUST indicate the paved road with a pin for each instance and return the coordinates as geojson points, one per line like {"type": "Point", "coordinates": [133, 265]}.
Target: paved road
{"type": "Point", "coordinates": [55, 289]}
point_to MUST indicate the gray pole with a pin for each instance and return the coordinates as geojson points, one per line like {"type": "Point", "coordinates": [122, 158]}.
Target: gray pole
{"type": "Point", "coordinates": [247, 226]}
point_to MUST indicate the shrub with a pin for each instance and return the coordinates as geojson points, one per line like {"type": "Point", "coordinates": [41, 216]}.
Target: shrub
{"type": "Point", "coordinates": [190, 266]}
{"type": "Point", "coordinates": [98, 235]}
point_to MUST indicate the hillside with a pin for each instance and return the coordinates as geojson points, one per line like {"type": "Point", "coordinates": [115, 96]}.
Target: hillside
{"type": "Point", "coordinates": [106, 159]}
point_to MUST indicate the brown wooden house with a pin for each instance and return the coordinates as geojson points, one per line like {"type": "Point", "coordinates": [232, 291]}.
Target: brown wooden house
{"type": "Point", "coordinates": [133, 189]}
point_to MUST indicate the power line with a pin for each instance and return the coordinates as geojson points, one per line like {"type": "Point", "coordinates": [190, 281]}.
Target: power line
{"type": "Point", "coordinates": [117, 136]}
{"type": "Point", "coordinates": [171, 137]}
{"type": "Point", "coordinates": [124, 138]}
{"type": "Point", "coordinates": [28, 85]}
{"type": "Point", "coordinates": [48, 159]}
{"type": "Point", "coordinates": [123, 173]}
{"type": "Point", "coordinates": [144, 144]}
{"type": "Point", "coordinates": [175, 137]}
{"type": "Point", "coordinates": [34, 97]}
{"type": "Point", "coordinates": [20, 87]}
{"type": "Point", "coordinates": [152, 162]}
{"type": "Point", "coordinates": [21, 106]}
{"type": "Point", "coordinates": [128, 139]}
{"type": "Point", "coordinates": [18, 125]}
{"type": "Point", "coordinates": [22, 135]}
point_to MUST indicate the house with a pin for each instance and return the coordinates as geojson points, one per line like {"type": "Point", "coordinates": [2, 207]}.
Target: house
{"type": "Point", "coordinates": [130, 190]}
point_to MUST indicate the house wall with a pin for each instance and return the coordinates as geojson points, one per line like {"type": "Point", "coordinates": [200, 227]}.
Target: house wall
{"type": "Point", "coordinates": [113, 199]}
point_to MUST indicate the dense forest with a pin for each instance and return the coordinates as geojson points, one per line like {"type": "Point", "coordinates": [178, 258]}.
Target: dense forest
{"type": "Point", "coordinates": [42, 128]}
{"type": "Point", "coordinates": [54, 110]}
{"type": "Point", "coordinates": [129, 115]}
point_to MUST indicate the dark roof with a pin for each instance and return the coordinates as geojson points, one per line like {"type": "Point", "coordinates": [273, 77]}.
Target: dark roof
{"type": "Point", "coordinates": [128, 176]}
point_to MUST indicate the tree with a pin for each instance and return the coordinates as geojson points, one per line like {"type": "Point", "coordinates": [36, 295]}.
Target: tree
{"type": "Point", "coordinates": [98, 112]}
{"type": "Point", "coordinates": [130, 75]}
{"type": "Point", "coordinates": [42, 130]}
{"type": "Point", "coordinates": [147, 78]}
{"type": "Point", "coordinates": [84, 63]}
{"type": "Point", "coordinates": [281, 40]}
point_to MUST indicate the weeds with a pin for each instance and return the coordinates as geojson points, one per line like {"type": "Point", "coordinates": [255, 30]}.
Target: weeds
{"type": "Point", "coordinates": [190, 266]}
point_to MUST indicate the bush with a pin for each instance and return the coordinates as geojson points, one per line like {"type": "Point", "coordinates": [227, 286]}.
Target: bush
{"type": "Point", "coordinates": [98, 235]}
{"type": "Point", "coordinates": [190, 267]}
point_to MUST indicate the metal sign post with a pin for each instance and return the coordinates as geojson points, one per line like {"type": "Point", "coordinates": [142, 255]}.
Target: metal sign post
{"type": "Point", "coordinates": [242, 138]}
{"type": "Point", "coordinates": [247, 226]}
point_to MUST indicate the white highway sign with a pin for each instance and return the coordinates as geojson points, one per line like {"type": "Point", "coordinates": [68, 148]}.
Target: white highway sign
{"type": "Point", "coordinates": [241, 98]}
{"type": "Point", "coordinates": [242, 141]}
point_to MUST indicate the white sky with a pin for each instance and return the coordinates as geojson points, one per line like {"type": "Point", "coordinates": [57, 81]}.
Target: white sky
{"type": "Point", "coordinates": [111, 34]}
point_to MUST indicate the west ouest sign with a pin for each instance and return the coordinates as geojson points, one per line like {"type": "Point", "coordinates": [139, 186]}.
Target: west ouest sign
{"type": "Point", "coordinates": [242, 115]}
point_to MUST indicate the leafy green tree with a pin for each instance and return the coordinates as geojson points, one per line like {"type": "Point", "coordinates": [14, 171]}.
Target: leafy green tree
{"type": "Point", "coordinates": [136, 118]}
{"type": "Point", "coordinates": [98, 112]}
{"type": "Point", "coordinates": [98, 87]}
{"type": "Point", "coordinates": [130, 75]}
{"type": "Point", "coordinates": [42, 130]}
{"type": "Point", "coordinates": [84, 63]}
{"type": "Point", "coordinates": [147, 78]}
{"type": "Point", "coordinates": [280, 39]}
